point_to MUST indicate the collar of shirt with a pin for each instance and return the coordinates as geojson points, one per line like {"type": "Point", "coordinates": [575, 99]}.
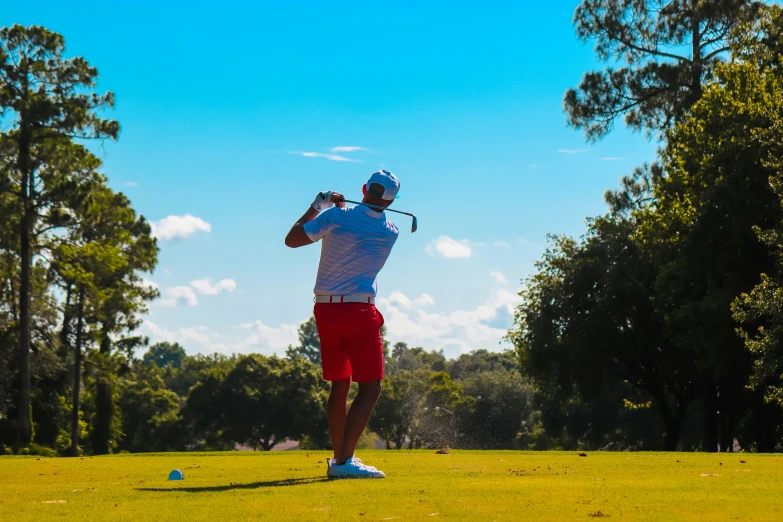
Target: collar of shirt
{"type": "Point", "coordinates": [373, 214]}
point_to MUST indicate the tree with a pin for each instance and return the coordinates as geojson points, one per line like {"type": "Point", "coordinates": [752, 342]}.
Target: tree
{"type": "Point", "coordinates": [666, 50]}
{"type": "Point", "coordinates": [128, 250]}
{"type": "Point", "coordinates": [181, 380]}
{"type": "Point", "coordinates": [309, 343]}
{"type": "Point", "coordinates": [503, 402]}
{"type": "Point", "coordinates": [701, 234]}
{"type": "Point", "coordinates": [260, 402]}
{"type": "Point", "coordinates": [445, 405]}
{"type": "Point", "coordinates": [45, 100]}
{"type": "Point", "coordinates": [165, 355]}
{"type": "Point", "coordinates": [588, 328]}
{"type": "Point", "coordinates": [397, 407]}
{"type": "Point", "coordinates": [480, 361]}
{"type": "Point", "coordinates": [149, 412]}
{"type": "Point", "coordinates": [403, 358]}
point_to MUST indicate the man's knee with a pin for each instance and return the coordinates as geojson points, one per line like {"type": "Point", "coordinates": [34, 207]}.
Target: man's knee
{"type": "Point", "coordinates": [340, 389]}
{"type": "Point", "coordinates": [372, 388]}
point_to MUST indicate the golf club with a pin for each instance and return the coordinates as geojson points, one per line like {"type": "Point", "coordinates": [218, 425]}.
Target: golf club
{"type": "Point", "coordinates": [414, 225]}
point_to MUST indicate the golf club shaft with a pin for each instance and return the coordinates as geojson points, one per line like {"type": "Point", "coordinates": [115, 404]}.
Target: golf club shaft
{"type": "Point", "coordinates": [382, 209]}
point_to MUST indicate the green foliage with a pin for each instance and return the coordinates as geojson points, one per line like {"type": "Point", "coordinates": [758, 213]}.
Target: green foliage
{"type": "Point", "coordinates": [503, 401]}
{"type": "Point", "coordinates": [759, 79]}
{"type": "Point", "coordinates": [260, 402]}
{"type": "Point", "coordinates": [149, 412]}
{"type": "Point", "coordinates": [423, 407]}
{"type": "Point", "coordinates": [403, 358]}
{"type": "Point", "coordinates": [165, 355]}
{"type": "Point", "coordinates": [639, 311]}
{"type": "Point", "coordinates": [37, 450]}
{"type": "Point", "coordinates": [588, 328]}
{"type": "Point", "coordinates": [479, 362]}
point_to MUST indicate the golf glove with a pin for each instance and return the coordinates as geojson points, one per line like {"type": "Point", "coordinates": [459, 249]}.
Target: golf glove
{"type": "Point", "coordinates": [323, 201]}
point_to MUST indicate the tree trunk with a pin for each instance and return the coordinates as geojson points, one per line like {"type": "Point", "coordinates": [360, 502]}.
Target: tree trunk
{"type": "Point", "coordinates": [77, 375]}
{"type": "Point", "coordinates": [710, 436]}
{"type": "Point", "coordinates": [766, 418]}
{"type": "Point", "coordinates": [24, 411]}
{"type": "Point", "coordinates": [65, 331]}
{"type": "Point", "coordinates": [697, 68]}
{"type": "Point", "coordinates": [673, 422]}
{"type": "Point", "coordinates": [104, 406]}
{"type": "Point", "coordinates": [12, 289]}
{"type": "Point", "coordinates": [727, 424]}
{"type": "Point", "coordinates": [673, 428]}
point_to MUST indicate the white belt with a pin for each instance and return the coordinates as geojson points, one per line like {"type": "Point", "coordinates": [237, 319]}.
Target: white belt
{"type": "Point", "coordinates": [336, 299]}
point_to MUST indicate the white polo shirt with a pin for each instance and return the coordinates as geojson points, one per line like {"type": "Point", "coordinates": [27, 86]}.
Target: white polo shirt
{"type": "Point", "coordinates": [356, 244]}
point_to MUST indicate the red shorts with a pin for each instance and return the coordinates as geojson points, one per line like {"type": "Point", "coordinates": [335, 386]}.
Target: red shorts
{"type": "Point", "coordinates": [351, 343]}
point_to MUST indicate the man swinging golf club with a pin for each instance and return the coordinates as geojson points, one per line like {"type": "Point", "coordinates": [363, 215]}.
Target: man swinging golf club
{"type": "Point", "coordinates": [356, 243]}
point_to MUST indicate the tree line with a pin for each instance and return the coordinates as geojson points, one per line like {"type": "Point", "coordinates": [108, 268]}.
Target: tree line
{"type": "Point", "coordinates": [659, 328]}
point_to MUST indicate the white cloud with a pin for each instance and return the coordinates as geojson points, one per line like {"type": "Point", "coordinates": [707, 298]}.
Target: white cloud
{"type": "Point", "coordinates": [457, 332]}
{"type": "Point", "coordinates": [499, 277]}
{"type": "Point", "coordinates": [407, 302]}
{"type": "Point", "coordinates": [203, 337]}
{"type": "Point", "coordinates": [204, 287]}
{"type": "Point", "coordinates": [612, 158]}
{"type": "Point", "coordinates": [167, 272]}
{"type": "Point", "coordinates": [173, 295]}
{"type": "Point", "coordinates": [347, 149]}
{"type": "Point", "coordinates": [255, 337]}
{"type": "Point", "coordinates": [501, 244]}
{"type": "Point", "coordinates": [268, 338]}
{"type": "Point", "coordinates": [330, 157]}
{"type": "Point", "coordinates": [172, 227]}
{"type": "Point", "coordinates": [573, 151]}
{"type": "Point", "coordinates": [130, 183]}
{"type": "Point", "coordinates": [534, 166]}
{"type": "Point", "coordinates": [451, 248]}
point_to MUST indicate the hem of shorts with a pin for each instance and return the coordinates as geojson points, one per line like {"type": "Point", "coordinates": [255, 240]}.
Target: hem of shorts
{"type": "Point", "coordinates": [330, 379]}
{"type": "Point", "coordinates": [369, 380]}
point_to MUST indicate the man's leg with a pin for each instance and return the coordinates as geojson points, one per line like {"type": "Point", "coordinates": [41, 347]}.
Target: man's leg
{"type": "Point", "coordinates": [336, 412]}
{"type": "Point", "coordinates": [357, 418]}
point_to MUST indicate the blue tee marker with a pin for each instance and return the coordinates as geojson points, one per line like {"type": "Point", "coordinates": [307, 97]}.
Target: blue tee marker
{"type": "Point", "coordinates": [176, 475]}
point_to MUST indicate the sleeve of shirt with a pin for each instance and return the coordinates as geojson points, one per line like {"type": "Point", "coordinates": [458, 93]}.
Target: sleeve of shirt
{"type": "Point", "coordinates": [321, 225]}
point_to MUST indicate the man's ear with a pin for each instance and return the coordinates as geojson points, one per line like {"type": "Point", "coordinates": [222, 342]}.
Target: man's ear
{"type": "Point", "coordinates": [364, 190]}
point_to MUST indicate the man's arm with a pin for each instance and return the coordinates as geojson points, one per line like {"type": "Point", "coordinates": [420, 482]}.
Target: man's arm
{"type": "Point", "coordinates": [297, 237]}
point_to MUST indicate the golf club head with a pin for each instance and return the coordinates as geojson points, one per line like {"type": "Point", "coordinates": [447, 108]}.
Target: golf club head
{"type": "Point", "coordinates": [415, 224]}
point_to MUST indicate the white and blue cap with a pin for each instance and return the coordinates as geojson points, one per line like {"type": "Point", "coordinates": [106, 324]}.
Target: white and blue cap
{"type": "Point", "coordinates": [389, 182]}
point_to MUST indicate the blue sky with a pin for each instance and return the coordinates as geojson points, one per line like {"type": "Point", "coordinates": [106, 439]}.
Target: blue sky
{"type": "Point", "coordinates": [218, 102]}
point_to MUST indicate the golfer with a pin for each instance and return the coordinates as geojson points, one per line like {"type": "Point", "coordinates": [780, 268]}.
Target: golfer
{"type": "Point", "coordinates": [356, 244]}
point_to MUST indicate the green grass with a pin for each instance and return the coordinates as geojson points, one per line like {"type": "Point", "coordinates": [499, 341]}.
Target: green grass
{"type": "Point", "coordinates": [420, 485]}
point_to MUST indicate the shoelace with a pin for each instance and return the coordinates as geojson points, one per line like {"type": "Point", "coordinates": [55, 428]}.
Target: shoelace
{"type": "Point", "coordinates": [364, 466]}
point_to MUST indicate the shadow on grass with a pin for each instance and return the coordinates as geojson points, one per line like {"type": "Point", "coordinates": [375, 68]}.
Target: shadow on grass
{"type": "Point", "coordinates": [250, 485]}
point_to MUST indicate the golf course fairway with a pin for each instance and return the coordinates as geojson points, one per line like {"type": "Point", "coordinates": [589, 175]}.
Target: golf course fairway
{"type": "Point", "coordinates": [462, 485]}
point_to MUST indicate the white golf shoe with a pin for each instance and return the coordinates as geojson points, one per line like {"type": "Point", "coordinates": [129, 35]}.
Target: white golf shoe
{"type": "Point", "coordinates": [353, 468]}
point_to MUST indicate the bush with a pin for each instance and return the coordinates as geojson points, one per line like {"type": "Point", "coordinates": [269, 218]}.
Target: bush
{"type": "Point", "coordinates": [37, 449]}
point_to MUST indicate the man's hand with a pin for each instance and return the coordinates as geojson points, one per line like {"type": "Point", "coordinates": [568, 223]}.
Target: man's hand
{"type": "Point", "coordinates": [325, 200]}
